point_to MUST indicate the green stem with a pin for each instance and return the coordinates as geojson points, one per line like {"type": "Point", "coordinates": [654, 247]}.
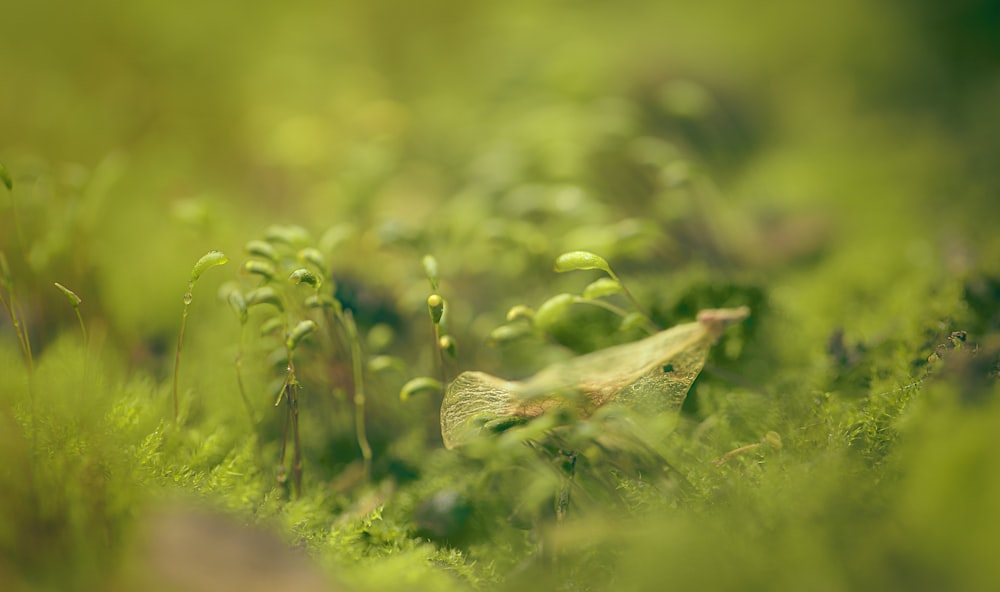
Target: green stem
{"type": "Point", "coordinates": [239, 380]}
{"type": "Point", "coordinates": [180, 341]}
{"type": "Point", "coordinates": [293, 408]}
{"type": "Point", "coordinates": [436, 335]}
{"type": "Point", "coordinates": [14, 312]}
{"type": "Point", "coordinates": [359, 396]}
{"type": "Point", "coordinates": [83, 328]}
{"type": "Point", "coordinates": [648, 326]}
{"type": "Point", "coordinates": [290, 391]}
{"type": "Point", "coordinates": [634, 302]}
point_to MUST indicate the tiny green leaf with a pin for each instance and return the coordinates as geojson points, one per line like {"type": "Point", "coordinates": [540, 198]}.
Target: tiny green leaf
{"type": "Point", "coordinates": [631, 321]}
{"type": "Point", "coordinates": [289, 235]}
{"type": "Point", "coordinates": [384, 363]}
{"type": "Point", "coordinates": [435, 306]}
{"type": "Point", "coordinates": [507, 333]}
{"type": "Point", "coordinates": [602, 287]}
{"type": "Point", "coordinates": [300, 332]}
{"type": "Point", "coordinates": [447, 345]}
{"type": "Point", "coordinates": [581, 260]}
{"type": "Point", "coordinates": [431, 269]}
{"type": "Point", "coordinates": [207, 261]}
{"type": "Point", "coordinates": [322, 301]}
{"type": "Point", "coordinates": [304, 276]}
{"type": "Point", "coordinates": [553, 308]}
{"type": "Point", "coordinates": [5, 178]}
{"type": "Point", "coordinates": [264, 295]}
{"type": "Point", "coordinates": [73, 298]}
{"type": "Point", "coordinates": [261, 268]}
{"type": "Point", "coordinates": [262, 249]}
{"type": "Point", "coordinates": [239, 305]}
{"type": "Point", "coordinates": [519, 311]}
{"type": "Point", "coordinates": [419, 385]}
{"type": "Point", "coordinates": [313, 257]}
{"type": "Point", "coordinates": [271, 325]}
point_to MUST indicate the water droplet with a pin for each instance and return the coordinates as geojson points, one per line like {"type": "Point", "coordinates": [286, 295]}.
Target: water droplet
{"type": "Point", "coordinates": [188, 297]}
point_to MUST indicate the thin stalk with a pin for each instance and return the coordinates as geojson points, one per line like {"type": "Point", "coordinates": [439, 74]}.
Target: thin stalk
{"type": "Point", "coordinates": [290, 392]}
{"type": "Point", "coordinates": [74, 301]}
{"type": "Point", "coordinates": [292, 399]}
{"type": "Point", "coordinates": [15, 314]}
{"type": "Point", "coordinates": [647, 326]}
{"type": "Point", "coordinates": [436, 335]}
{"type": "Point", "coordinates": [83, 328]}
{"type": "Point", "coordinates": [282, 476]}
{"type": "Point", "coordinates": [359, 396]}
{"type": "Point", "coordinates": [631, 298]}
{"type": "Point", "coordinates": [180, 341]}
{"type": "Point", "coordinates": [239, 380]}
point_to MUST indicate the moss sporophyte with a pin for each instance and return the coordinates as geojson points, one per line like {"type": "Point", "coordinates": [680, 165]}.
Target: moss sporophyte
{"type": "Point", "coordinates": [651, 376]}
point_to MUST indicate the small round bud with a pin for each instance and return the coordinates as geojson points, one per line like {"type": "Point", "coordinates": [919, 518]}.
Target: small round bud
{"type": "Point", "coordinates": [300, 332]}
{"type": "Point", "coordinates": [261, 268]}
{"type": "Point", "coordinates": [304, 276]}
{"type": "Point", "coordinates": [435, 306]}
{"type": "Point", "coordinates": [262, 249]}
{"type": "Point", "coordinates": [447, 345]}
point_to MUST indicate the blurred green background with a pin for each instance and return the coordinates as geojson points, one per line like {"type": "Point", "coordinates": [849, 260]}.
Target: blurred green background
{"type": "Point", "coordinates": [209, 121]}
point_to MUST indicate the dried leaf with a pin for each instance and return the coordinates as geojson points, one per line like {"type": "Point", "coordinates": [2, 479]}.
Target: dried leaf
{"type": "Point", "coordinates": [652, 375]}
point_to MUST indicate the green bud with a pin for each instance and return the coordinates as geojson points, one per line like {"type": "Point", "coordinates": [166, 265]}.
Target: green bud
{"type": "Point", "coordinates": [602, 287]}
{"type": "Point", "coordinates": [264, 295]}
{"type": "Point", "coordinates": [419, 385]}
{"type": "Point", "coordinates": [447, 345]}
{"type": "Point", "coordinates": [208, 260]}
{"type": "Point", "coordinates": [262, 249]}
{"type": "Point", "coordinates": [73, 298]}
{"type": "Point", "coordinates": [239, 305]}
{"type": "Point", "coordinates": [507, 333]}
{"type": "Point", "coordinates": [431, 269]}
{"type": "Point", "coordinates": [289, 235]}
{"type": "Point", "coordinates": [271, 325]}
{"type": "Point", "coordinates": [435, 306]}
{"type": "Point", "coordinates": [773, 439]}
{"type": "Point", "coordinates": [549, 312]}
{"type": "Point", "coordinates": [321, 301]}
{"type": "Point", "coordinates": [519, 311]}
{"type": "Point", "coordinates": [261, 268]}
{"type": "Point", "coordinates": [304, 276]}
{"type": "Point", "coordinates": [379, 364]}
{"type": "Point", "coordinates": [300, 332]}
{"type": "Point", "coordinates": [631, 321]}
{"type": "Point", "coordinates": [581, 260]}
{"type": "Point", "coordinates": [313, 257]}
